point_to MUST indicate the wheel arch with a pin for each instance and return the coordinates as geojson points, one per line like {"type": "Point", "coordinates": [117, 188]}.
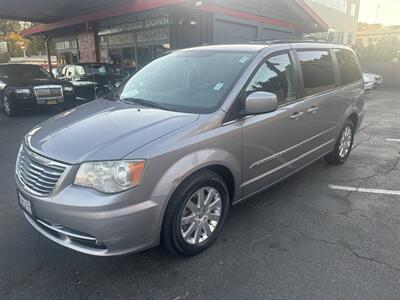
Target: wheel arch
{"type": "Point", "coordinates": [217, 160]}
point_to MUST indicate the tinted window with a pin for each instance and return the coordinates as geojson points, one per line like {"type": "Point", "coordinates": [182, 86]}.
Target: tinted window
{"type": "Point", "coordinates": [275, 76]}
{"type": "Point", "coordinates": [318, 71]}
{"type": "Point", "coordinates": [189, 80]}
{"type": "Point", "coordinates": [96, 69]}
{"type": "Point", "coordinates": [348, 66]}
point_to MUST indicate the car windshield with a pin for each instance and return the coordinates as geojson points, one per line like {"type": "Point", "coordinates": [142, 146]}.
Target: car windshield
{"type": "Point", "coordinates": [193, 81]}
{"type": "Point", "coordinates": [24, 72]}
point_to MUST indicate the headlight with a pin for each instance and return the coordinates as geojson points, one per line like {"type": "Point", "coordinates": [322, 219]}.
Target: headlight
{"type": "Point", "coordinates": [2, 85]}
{"type": "Point", "coordinates": [68, 89]}
{"type": "Point", "coordinates": [111, 176]}
{"type": "Point", "coordinates": [24, 92]}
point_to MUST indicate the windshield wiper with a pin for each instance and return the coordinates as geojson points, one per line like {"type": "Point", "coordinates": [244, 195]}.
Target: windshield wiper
{"type": "Point", "coordinates": [147, 103]}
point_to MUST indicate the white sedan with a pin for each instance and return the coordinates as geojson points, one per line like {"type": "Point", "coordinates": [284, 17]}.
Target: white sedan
{"type": "Point", "coordinates": [369, 83]}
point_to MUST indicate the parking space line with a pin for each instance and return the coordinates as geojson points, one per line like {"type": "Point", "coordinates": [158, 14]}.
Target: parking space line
{"type": "Point", "coordinates": [364, 190]}
{"type": "Point", "coordinates": [393, 140]}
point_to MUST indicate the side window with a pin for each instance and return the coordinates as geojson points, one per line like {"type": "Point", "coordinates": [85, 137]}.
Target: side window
{"type": "Point", "coordinates": [70, 71]}
{"type": "Point", "coordinates": [275, 76]}
{"type": "Point", "coordinates": [79, 71]}
{"type": "Point", "coordinates": [348, 66]}
{"type": "Point", "coordinates": [318, 71]}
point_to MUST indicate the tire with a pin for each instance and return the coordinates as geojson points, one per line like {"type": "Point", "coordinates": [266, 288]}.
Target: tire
{"type": "Point", "coordinates": [343, 145]}
{"type": "Point", "coordinates": [185, 197]}
{"type": "Point", "coordinates": [9, 107]}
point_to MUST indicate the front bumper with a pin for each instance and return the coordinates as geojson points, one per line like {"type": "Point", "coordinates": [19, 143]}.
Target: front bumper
{"type": "Point", "coordinates": [93, 223]}
{"type": "Point", "coordinates": [31, 102]}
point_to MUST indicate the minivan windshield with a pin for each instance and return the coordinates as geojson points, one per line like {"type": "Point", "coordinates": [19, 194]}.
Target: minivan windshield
{"type": "Point", "coordinates": [24, 72]}
{"type": "Point", "coordinates": [194, 81]}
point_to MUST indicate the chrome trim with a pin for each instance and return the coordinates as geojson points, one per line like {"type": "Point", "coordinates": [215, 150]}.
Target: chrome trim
{"type": "Point", "coordinates": [286, 164]}
{"type": "Point", "coordinates": [40, 99]}
{"type": "Point", "coordinates": [279, 180]}
{"type": "Point", "coordinates": [265, 160]}
{"type": "Point", "coordinates": [60, 229]}
{"type": "Point", "coordinates": [66, 242]}
{"type": "Point", "coordinates": [38, 175]}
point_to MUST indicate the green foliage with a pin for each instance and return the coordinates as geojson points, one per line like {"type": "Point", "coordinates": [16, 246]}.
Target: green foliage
{"type": "Point", "coordinates": [10, 32]}
{"type": "Point", "coordinates": [382, 50]}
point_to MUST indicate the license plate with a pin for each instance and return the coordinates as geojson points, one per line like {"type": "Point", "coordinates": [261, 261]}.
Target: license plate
{"type": "Point", "coordinates": [51, 102]}
{"type": "Point", "coordinates": [25, 204]}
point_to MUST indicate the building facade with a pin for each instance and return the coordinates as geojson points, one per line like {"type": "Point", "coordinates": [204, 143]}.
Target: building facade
{"type": "Point", "coordinates": [341, 17]}
{"type": "Point", "coordinates": [132, 34]}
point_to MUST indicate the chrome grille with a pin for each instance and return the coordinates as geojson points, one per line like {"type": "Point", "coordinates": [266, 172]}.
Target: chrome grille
{"type": "Point", "coordinates": [37, 175]}
{"type": "Point", "coordinates": [48, 91]}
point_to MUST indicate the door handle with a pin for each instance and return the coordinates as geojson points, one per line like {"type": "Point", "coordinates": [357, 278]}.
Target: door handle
{"type": "Point", "coordinates": [313, 109]}
{"type": "Point", "coordinates": [296, 115]}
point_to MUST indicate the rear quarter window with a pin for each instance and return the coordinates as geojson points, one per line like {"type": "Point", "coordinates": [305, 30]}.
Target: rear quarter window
{"type": "Point", "coordinates": [348, 66]}
{"type": "Point", "coordinates": [318, 71]}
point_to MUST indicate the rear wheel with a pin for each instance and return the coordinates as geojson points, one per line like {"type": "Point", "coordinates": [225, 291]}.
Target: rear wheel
{"type": "Point", "coordinates": [343, 145]}
{"type": "Point", "coordinates": [196, 214]}
{"type": "Point", "coordinates": [10, 108]}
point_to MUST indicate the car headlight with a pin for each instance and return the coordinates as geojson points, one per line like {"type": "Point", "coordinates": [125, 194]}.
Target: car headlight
{"type": "Point", "coordinates": [110, 176]}
{"type": "Point", "coordinates": [23, 92]}
{"type": "Point", "coordinates": [2, 85]}
{"type": "Point", "coordinates": [68, 89]}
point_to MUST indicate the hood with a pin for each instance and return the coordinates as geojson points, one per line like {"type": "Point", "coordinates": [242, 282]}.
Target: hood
{"type": "Point", "coordinates": [102, 130]}
{"type": "Point", "coordinates": [25, 82]}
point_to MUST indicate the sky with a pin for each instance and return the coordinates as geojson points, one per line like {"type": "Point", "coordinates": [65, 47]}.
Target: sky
{"type": "Point", "coordinates": [389, 12]}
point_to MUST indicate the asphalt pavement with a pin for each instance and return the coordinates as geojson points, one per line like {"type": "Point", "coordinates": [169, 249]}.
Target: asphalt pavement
{"type": "Point", "coordinates": [329, 232]}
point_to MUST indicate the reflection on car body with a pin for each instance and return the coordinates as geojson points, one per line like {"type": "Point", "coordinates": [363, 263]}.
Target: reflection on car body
{"type": "Point", "coordinates": [24, 86]}
{"type": "Point", "coordinates": [92, 80]}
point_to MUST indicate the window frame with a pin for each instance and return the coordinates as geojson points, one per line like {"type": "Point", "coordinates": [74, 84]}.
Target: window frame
{"type": "Point", "coordinates": [340, 84]}
{"type": "Point", "coordinates": [301, 75]}
{"type": "Point", "coordinates": [235, 111]}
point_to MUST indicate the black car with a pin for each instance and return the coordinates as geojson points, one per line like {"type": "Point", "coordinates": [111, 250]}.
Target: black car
{"type": "Point", "coordinates": [92, 80]}
{"type": "Point", "coordinates": [24, 86]}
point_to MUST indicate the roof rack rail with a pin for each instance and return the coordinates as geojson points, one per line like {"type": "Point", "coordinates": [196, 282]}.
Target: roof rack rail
{"type": "Point", "coordinates": [307, 39]}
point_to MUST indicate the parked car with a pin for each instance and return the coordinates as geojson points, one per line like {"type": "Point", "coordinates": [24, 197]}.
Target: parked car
{"type": "Point", "coordinates": [369, 84]}
{"type": "Point", "coordinates": [164, 157]}
{"type": "Point", "coordinates": [92, 80]}
{"type": "Point", "coordinates": [378, 79]}
{"type": "Point", "coordinates": [24, 86]}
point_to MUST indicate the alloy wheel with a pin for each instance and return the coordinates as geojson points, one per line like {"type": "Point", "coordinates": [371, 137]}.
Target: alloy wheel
{"type": "Point", "coordinates": [6, 105]}
{"type": "Point", "coordinates": [201, 215]}
{"type": "Point", "coordinates": [345, 142]}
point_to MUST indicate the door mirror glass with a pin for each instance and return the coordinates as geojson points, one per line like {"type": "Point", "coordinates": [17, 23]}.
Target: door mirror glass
{"type": "Point", "coordinates": [260, 103]}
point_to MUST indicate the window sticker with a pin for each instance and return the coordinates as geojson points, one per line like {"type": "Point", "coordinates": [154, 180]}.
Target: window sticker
{"type": "Point", "coordinates": [244, 59]}
{"type": "Point", "coordinates": [218, 86]}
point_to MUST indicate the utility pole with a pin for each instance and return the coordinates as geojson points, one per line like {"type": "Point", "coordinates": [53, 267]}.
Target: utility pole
{"type": "Point", "coordinates": [378, 9]}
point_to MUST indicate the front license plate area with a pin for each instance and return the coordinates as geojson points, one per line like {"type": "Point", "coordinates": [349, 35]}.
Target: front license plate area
{"type": "Point", "coordinates": [51, 102]}
{"type": "Point", "coordinates": [25, 204]}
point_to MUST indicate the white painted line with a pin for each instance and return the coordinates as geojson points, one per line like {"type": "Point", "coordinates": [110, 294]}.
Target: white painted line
{"type": "Point", "coordinates": [393, 140]}
{"type": "Point", "coordinates": [364, 190]}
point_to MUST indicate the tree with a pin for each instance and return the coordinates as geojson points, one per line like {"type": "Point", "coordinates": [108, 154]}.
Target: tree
{"type": "Point", "coordinates": [10, 32]}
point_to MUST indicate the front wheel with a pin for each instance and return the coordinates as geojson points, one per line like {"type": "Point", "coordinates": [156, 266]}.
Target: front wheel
{"type": "Point", "coordinates": [343, 145]}
{"type": "Point", "coordinates": [196, 214]}
{"type": "Point", "coordinates": [9, 106]}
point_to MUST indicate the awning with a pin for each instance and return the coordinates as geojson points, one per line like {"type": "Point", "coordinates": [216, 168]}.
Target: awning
{"type": "Point", "coordinates": [56, 14]}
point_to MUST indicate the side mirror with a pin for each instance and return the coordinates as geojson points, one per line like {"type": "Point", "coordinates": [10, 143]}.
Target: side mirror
{"type": "Point", "coordinates": [261, 103]}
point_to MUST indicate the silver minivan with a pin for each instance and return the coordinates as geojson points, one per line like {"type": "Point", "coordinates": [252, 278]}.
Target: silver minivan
{"type": "Point", "coordinates": [163, 158]}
